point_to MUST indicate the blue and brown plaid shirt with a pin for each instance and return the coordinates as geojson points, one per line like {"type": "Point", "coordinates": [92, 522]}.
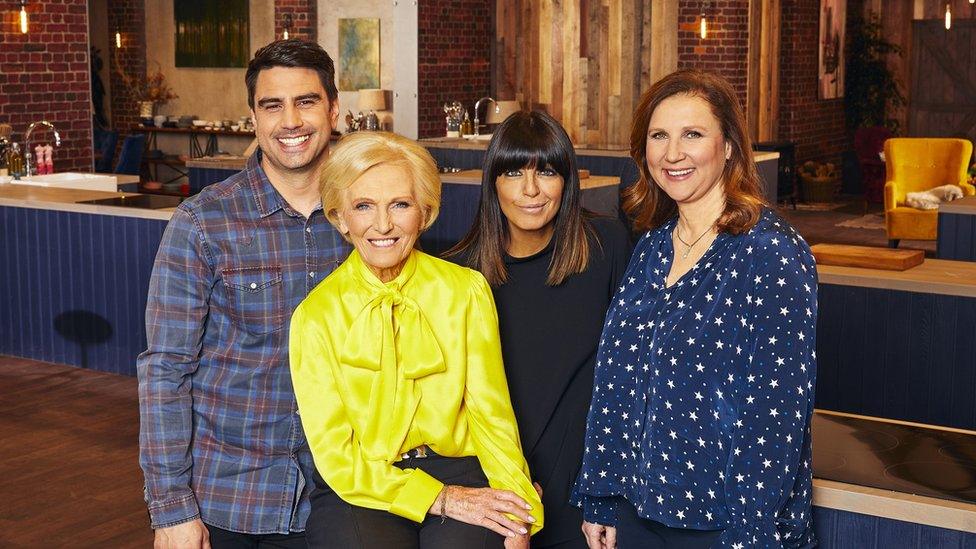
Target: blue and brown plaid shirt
{"type": "Point", "coordinates": [220, 435]}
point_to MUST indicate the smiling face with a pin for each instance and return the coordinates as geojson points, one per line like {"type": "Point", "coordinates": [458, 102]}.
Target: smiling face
{"type": "Point", "coordinates": [293, 119]}
{"type": "Point", "coordinates": [381, 217]}
{"type": "Point", "coordinates": [529, 199]}
{"type": "Point", "coordinates": [686, 151]}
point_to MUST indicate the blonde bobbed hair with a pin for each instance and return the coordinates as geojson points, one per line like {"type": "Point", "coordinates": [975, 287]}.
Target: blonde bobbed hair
{"type": "Point", "coordinates": [358, 152]}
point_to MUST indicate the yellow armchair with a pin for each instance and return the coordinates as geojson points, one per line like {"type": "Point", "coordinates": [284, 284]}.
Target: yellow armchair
{"type": "Point", "coordinates": [915, 164]}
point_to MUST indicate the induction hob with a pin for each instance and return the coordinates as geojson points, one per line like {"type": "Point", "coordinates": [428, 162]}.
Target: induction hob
{"type": "Point", "coordinates": [145, 201]}
{"type": "Point", "coordinates": [916, 459]}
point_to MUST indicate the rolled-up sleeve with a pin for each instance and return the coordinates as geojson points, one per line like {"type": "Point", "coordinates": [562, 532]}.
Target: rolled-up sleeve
{"type": "Point", "coordinates": [176, 312]}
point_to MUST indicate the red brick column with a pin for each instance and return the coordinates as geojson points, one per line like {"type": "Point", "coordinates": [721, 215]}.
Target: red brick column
{"type": "Point", "coordinates": [454, 57]}
{"type": "Point", "coordinates": [304, 19]}
{"type": "Point", "coordinates": [44, 74]}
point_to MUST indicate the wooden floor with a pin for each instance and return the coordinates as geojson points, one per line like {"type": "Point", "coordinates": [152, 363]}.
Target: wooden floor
{"type": "Point", "coordinates": [69, 470]}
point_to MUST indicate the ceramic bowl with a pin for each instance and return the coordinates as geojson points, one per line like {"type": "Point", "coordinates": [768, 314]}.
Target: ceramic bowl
{"type": "Point", "coordinates": [201, 123]}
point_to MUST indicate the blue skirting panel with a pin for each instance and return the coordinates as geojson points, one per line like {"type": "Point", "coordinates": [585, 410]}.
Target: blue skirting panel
{"type": "Point", "coordinates": [74, 286]}
{"type": "Point", "coordinates": [895, 354]}
{"type": "Point", "coordinates": [459, 206]}
{"type": "Point", "coordinates": [201, 177]}
{"type": "Point", "coordinates": [957, 237]}
{"type": "Point", "coordinates": [845, 530]}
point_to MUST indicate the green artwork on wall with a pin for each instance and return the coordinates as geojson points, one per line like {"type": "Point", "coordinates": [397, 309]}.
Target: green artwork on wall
{"type": "Point", "coordinates": [211, 33]}
{"type": "Point", "coordinates": [359, 54]}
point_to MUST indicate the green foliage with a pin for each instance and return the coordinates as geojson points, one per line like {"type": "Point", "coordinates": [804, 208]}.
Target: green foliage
{"type": "Point", "coordinates": [870, 88]}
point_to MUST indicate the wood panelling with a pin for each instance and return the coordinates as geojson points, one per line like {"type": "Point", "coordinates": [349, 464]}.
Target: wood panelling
{"type": "Point", "coordinates": [943, 85]}
{"type": "Point", "coordinates": [583, 61]}
{"type": "Point", "coordinates": [762, 84]}
{"type": "Point", "coordinates": [662, 20]}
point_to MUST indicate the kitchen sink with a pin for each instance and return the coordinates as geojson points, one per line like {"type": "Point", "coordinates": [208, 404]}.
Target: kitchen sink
{"type": "Point", "coordinates": [72, 180]}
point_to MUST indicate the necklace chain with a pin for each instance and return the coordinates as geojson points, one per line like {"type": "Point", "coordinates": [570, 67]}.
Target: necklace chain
{"type": "Point", "coordinates": [688, 247]}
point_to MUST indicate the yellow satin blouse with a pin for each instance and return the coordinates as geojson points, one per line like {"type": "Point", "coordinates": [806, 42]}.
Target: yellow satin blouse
{"type": "Point", "coordinates": [379, 369]}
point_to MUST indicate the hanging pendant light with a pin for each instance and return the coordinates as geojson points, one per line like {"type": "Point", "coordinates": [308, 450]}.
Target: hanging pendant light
{"type": "Point", "coordinates": [118, 40]}
{"type": "Point", "coordinates": [948, 16]}
{"type": "Point", "coordinates": [23, 16]}
{"type": "Point", "coordinates": [288, 23]}
{"type": "Point", "coordinates": [703, 21]}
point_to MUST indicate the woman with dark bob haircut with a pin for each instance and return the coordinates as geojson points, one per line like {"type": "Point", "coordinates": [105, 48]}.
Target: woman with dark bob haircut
{"type": "Point", "coordinates": [553, 268]}
{"type": "Point", "coordinates": [698, 434]}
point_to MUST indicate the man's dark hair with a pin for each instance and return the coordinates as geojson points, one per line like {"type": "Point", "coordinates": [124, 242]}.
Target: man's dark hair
{"type": "Point", "coordinates": [292, 53]}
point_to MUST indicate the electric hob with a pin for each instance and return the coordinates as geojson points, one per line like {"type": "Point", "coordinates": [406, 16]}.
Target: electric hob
{"type": "Point", "coordinates": [916, 459]}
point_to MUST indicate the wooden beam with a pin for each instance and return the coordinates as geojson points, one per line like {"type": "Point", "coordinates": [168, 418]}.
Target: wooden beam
{"type": "Point", "coordinates": [762, 69]}
{"type": "Point", "coordinates": [664, 38]}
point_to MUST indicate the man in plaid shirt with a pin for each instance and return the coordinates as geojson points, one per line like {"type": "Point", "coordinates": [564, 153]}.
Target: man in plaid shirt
{"type": "Point", "coordinates": [221, 444]}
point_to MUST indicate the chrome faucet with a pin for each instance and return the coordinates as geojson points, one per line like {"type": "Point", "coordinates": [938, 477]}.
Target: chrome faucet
{"type": "Point", "coordinates": [28, 165]}
{"type": "Point", "coordinates": [477, 106]}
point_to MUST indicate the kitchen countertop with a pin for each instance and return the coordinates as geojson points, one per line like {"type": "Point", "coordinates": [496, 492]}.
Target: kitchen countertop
{"type": "Point", "coordinates": [473, 177]}
{"type": "Point", "coordinates": [236, 163]}
{"type": "Point", "coordinates": [67, 200]}
{"type": "Point", "coordinates": [584, 149]}
{"type": "Point", "coordinates": [933, 276]}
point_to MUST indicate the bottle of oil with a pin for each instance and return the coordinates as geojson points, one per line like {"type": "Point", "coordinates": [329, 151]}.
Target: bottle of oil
{"type": "Point", "coordinates": [15, 161]}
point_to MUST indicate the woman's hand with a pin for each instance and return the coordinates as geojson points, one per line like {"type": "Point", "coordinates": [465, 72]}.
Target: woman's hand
{"type": "Point", "coordinates": [599, 536]}
{"type": "Point", "coordinates": [485, 507]}
{"type": "Point", "coordinates": [520, 541]}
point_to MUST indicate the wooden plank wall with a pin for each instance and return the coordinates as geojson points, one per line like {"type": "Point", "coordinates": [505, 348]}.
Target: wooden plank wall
{"type": "Point", "coordinates": [762, 94]}
{"type": "Point", "coordinates": [583, 61]}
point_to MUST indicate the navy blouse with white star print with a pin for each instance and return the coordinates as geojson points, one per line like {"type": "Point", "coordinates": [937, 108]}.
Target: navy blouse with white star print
{"type": "Point", "coordinates": [703, 392]}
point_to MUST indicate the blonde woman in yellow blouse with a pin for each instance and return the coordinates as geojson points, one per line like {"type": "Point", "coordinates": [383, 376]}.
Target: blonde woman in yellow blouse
{"type": "Point", "coordinates": [397, 368]}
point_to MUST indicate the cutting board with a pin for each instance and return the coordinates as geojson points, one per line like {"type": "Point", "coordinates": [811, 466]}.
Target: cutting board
{"type": "Point", "coordinates": [867, 257]}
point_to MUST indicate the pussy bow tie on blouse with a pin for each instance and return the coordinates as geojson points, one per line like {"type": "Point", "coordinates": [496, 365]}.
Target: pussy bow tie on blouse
{"type": "Point", "coordinates": [390, 338]}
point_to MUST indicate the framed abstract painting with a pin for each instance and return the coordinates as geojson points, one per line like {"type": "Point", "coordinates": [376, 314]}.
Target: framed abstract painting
{"type": "Point", "coordinates": [359, 54]}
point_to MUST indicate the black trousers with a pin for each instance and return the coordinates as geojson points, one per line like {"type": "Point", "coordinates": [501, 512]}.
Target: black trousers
{"type": "Point", "coordinates": [225, 539]}
{"type": "Point", "coordinates": [335, 524]}
{"type": "Point", "coordinates": [636, 532]}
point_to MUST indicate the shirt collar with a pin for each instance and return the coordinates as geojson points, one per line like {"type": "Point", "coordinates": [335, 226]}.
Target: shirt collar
{"type": "Point", "coordinates": [267, 199]}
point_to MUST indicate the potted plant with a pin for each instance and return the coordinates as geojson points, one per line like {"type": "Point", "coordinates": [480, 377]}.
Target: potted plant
{"type": "Point", "coordinates": [148, 92]}
{"type": "Point", "coordinates": [819, 182]}
{"type": "Point", "coordinates": [871, 90]}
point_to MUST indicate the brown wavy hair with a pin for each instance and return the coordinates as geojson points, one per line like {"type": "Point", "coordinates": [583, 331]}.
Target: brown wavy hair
{"type": "Point", "coordinates": [647, 205]}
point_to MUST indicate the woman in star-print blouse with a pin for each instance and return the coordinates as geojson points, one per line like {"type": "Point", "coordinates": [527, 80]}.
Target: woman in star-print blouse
{"type": "Point", "coordinates": [698, 433]}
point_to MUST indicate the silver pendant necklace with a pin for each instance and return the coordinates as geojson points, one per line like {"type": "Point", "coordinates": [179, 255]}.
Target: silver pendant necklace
{"type": "Point", "coordinates": [688, 247]}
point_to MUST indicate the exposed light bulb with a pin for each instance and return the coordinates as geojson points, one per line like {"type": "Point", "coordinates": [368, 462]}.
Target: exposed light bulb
{"type": "Point", "coordinates": [948, 17]}
{"type": "Point", "coordinates": [118, 39]}
{"type": "Point", "coordinates": [286, 34]}
{"type": "Point", "coordinates": [703, 27]}
{"type": "Point", "coordinates": [23, 18]}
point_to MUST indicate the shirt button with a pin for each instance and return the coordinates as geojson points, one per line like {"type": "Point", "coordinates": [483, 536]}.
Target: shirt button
{"type": "Point", "coordinates": [308, 230]}
{"type": "Point", "coordinates": [254, 286]}
{"type": "Point", "coordinates": [311, 274]}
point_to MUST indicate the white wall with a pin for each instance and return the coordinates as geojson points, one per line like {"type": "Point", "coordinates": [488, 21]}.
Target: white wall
{"type": "Point", "coordinates": [398, 55]}
{"type": "Point", "coordinates": [209, 93]}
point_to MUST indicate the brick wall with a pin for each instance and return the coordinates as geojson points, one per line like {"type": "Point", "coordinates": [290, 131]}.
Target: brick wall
{"type": "Point", "coordinates": [304, 18]}
{"type": "Point", "coordinates": [44, 74]}
{"type": "Point", "coordinates": [129, 18]}
{"type": "Point", "coordinates": [725, 49]}
{"type": "Point", "coordinates": [816, 125]}
{"type": "Point", "coordinates": [454, 57]}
